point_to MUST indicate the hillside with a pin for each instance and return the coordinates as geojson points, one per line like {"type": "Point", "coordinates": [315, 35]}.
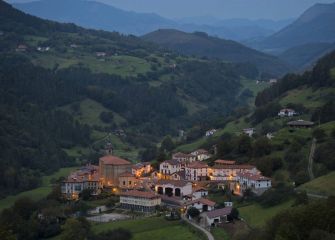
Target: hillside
{"type": "Point", "coordinates": [315, 25]}
{"type": "Point", "coordinates": [76, 89]}
{"type": "Point", "coordinates": [202, 45]}
{"type": "Point", "coordinates": [305, 56]}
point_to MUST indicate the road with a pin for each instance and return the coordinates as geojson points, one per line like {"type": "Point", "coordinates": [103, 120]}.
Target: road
{"type": "Point", "coordinates": [311, 159]}
{"type": "Point", "coordinates": [208, 234]}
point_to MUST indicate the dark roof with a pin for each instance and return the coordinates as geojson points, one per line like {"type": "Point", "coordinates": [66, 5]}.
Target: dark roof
{"type": "Point", "coordinates": [300, 122]}
{"type": "Point", "coordinates": [113, 160]}
{"type": "Point", "coordinates": [219, 212]}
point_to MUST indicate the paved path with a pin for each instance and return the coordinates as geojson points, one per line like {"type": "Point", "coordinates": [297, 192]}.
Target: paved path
{"type": "Point", "coordinates": [312, 195]}
{"type": "Point", "coordinates": [208, 234]}
{"type": "Point", "coordinates": [311, 159]}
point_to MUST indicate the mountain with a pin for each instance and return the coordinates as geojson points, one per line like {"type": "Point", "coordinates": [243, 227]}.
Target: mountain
{"type": "Point", "coordinates": [95, 15]}
{"type": "Point", "coordinates": [306, 55]}
{"type": "Point", "coordinates": [315, 25]}
{"type": "Point", "coordinates": [202, 45]}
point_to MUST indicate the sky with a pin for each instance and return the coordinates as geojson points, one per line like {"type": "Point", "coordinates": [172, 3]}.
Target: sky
{"type": "Point", "coordinates": [223, 9]}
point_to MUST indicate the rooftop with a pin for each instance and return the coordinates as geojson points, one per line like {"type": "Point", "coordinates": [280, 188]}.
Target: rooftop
{"type": "Point", "coordinates": [225, 162]}
{"type": "Point", "coordinates": [204, 201]}
{"type": "Point", "coordinates": [234, 166]}
{"type": "Point", "coordinates": [113, 160]}
{"type": "Point", "coordinates": [177, 183]}
{"type": "Point", "coordinates": [139, 194]}
{"type": "Point", "coordinates": [171, 162]}
{"type": "Point", "coordinates": [197, 164]}
{"type": "Point", "coordinates": [126, 174]}
{"type": "Point", "coordinates": [254, 177]}
{"type": "Point", "coordinates": [219, 212]}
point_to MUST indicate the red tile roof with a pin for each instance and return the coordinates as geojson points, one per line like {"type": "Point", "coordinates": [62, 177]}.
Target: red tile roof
{"type": "Point", "coordinates": [226, 162]}
{"type": "Point", "coordinates": [234, 166]}
{"type": "Point", "coordinates": [172, 162]}
{"type": "Point", "coordinates": [139, 194]}
{"type": "Point", "coordinates": [113, 160]}
{"type": "Point", "coordinates": [204, 201]}
{"type": "Point", "coordinates": [219, 212]}
{"type": "Point", "coordinates": [126, 174]}
{"type": "Point", "coordinates": [197, 164]}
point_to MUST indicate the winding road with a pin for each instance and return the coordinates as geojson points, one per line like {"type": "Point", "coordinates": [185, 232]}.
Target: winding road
{"type": "Point", "coordinates": [208, 234]}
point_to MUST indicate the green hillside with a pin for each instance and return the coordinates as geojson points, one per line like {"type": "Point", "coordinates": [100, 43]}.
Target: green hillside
{"type": "Point", "coordinates": [323, 185]}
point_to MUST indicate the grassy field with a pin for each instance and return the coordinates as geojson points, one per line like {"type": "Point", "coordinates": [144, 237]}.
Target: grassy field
{"type": "Point", "coordinates": [257, 216]}
{"type": "Point", "coordinates": [324, 185]}
{"type": "Point", "coordinates": [253, 87]}
{"type": "Point", "coordinates": [220, 234]}
{"type": "Point", "coordinates": [153, 228]}
{"type": "Point", "coordinates": [37, 193]}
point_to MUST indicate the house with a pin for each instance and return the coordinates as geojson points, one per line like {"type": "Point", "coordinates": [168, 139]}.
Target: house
{"type": "Point", "coordinates": [300, 124]}
{"type": "Point", "coordinates": [139, 201]}
{"type": "Point", "coordinates": [183, 157]}
{"type": "Point", "coordinates": [201, 154]}
{"type": "Point", "coordinates": [199, 192]}
{"type": "Point", "coordinates": [210, 132]}
{"type": "Point", "coordinates": [169, 167]}
{"type": "Point", "coordinates": [273, 81]}
{"type": "Point", "coordinates": [110, 167]}
{"type": "Point", "coordinates": [127, 180]}
{"type": "Point", "coordinates": [202, 204]}
{"type": "Point", "coordinates": [269, 136]}
{"type": "Point", "coordinates": [217, 216]}
{"type": "Point", "coordinates": [21, 48]}
{"type": "Point", "coordinates": [177, 188]}
{"type": "Point", "coordinates": [142, 168]}
{"type": "Point", "coordinates": [256, 182]}
{"type": "Point", "coordinates": [84, 178]}
{"type": "Point", "coordinates": [43, 49]}
{"type": "Point", "coordinates": [286, 112]}
{"type": "Point", "coordinates": [229, 172]}
{"type": "Point", "coordinates": [178, 175]}
{"type": "Point", "coordinates": [196, 171]}
{"type": "Point", "coordinates": [73, 45]}
{"type": "Point", "coordinates": [101, 54]}
{"type": "Point", "coordinates": [249, 131]}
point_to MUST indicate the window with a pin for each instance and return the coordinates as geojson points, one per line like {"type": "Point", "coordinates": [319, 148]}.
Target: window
{"type": "Point", "coordinates": [124, 183]}
{"type": "Point", "coordinates": [129, 182]}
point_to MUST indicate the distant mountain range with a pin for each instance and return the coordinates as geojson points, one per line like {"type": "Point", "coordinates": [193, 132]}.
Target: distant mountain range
{"type": "Point", "coordinates": [202, 45]}
{"type": "Point", "coordinates": [97, 15]}
{"type": "Point", "coordinates": [315, 25]}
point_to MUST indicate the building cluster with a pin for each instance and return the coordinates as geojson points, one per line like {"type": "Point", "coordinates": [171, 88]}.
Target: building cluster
{"type": "Point", "coordinates": [180, 181]}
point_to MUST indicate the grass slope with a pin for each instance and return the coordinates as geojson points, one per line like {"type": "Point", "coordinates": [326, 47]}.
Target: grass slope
{"type": "Point", "coordinates": [37, 193]}
{"type": "Point", "coordinates": [324, 185]}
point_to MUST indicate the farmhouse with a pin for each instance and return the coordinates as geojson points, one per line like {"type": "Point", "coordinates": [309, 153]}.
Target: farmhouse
{"type": "Point", "coordinates": [256, 182]}
{"type": "Point", "coordinates": [286, 112]}
{"type": "Point", "coordinates": [139, 201]}
{"type": "Point", "coordinates": [196, 171]}
{"type": "Point", "coordinates": [249, 131]}
{"type": "Point", "coordinates": [85, 178]}
{"type": "Point", "coordinates": [217, 216]}
{"type": "Point", "coordinates": [176, 188]}
{"type": "Point", "coordinates": [201, 154]}
{"type": "Point", "coordinates": [300, 124]}
{"type": "Point", "coordinates": [202, 204]}
{"type": "Point", "coordinates": [210, 132]}
{"type": "Point", "coordinates": [169, 167]}
{"type": "Point", "coordinates": [183, 157]}
{"type": "Point", "coordinates": [110, 167]}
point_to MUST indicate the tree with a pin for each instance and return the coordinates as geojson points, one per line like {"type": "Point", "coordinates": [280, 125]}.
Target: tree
{"type": "Point", "coordinates": [107, 117]}
{"type": "Point", "coordinates": [244, 144]}
{"type": "Point", "coordinates": [76, 229]}
{"type": "Point", "coordinates": [319, 134]}
{"type": "Point", "coordinates": [261, 147]}
{"type": "Point", "coordinates": [167, 144]}
{"type": "Point", "coordinates": [234, 214]}
{"type": "Point", "coordinates": [86, 194]}
{"type": "Point", "coordinates": [193, 212]}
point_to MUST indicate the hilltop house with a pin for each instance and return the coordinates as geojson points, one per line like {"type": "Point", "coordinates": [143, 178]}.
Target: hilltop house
{"type": "Point", "coordinates": [139, 201]}
{"type": "Point", "coordinates": [196, 171]}
{"type": "Point", "coordinates": [210, 132]}
{"type": "Point", "coordinates": [183, 157]}
{"type": "Point", "coordinates": [249, 131]}
{"type": "Point", "coordinates": [21, 48]}
{"type": "Point", "coordinates": [201, 154]}
{"type": "Point", "coordinates": [43, 49]}
{"type": "Point", "coordinates": [286, 112]}
{"type": "Point", "coordinates": [300, 124]}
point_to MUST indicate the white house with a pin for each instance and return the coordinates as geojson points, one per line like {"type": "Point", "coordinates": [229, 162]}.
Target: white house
{"type": "Point", "coordinates": [210, 132]}
{"type": "Point", "coordinates": [217, 216]}
{"type": "Point", "coordinates": [177, 188]}
{"type": "Point", "coordinates": [201, 154]}
{"type": "Point", "coordinates": [169, 167]}
{"type": "Point", "coordinates": [202, 204]}
{"type": "Point", "coordinates": [183, 157]}
{"type": "Point", "coordinates": [256, 182]}
{"type": "Point", "coordinates": [196, 171]}
{"type": "Point", "coordinates": [139, 201]}
{"type": "Point", "coordinates": [199, 192]}
{"type": "Point", "coordinates": [286, 112]}
{"type": "Point", "coordinates": [229, 172]}
{"type": "Point", "coordinates": [249, 131]}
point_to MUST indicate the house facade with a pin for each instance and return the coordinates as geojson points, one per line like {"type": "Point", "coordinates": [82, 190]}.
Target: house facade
{"type": "Point", "coordinates": [139, 201]}
{"type": "Point", "coordinates": [127, 180]}
{"type": "Point", "coordinates": [256, 182]}
{"type": "Point", "coordinates": [217, 216]}
{"type": "Point", "coordinates": [286, 112]}
{"type": "Point", "coordinates": [221, 172]}
{"type": "Point", "coordinates": [202, 204]}
{"type": "Point", "coordinates": [110, 167]}
{"type": "Point", "coordinates": [177, 188]}
{"type": "Point", "coordinates": [196, 171]}
{"type": "Point", "coordinates": [169, 167]}
{"type": "Point", "coordinates": [201, 154]}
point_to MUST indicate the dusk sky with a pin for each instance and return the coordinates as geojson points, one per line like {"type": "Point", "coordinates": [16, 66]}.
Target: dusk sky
{"type": "Point", "coordinates": [252, 9]}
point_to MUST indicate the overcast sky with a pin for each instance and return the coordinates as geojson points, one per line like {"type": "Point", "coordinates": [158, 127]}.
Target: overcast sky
{"type": "Point", "coordinates": [252, 9]}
